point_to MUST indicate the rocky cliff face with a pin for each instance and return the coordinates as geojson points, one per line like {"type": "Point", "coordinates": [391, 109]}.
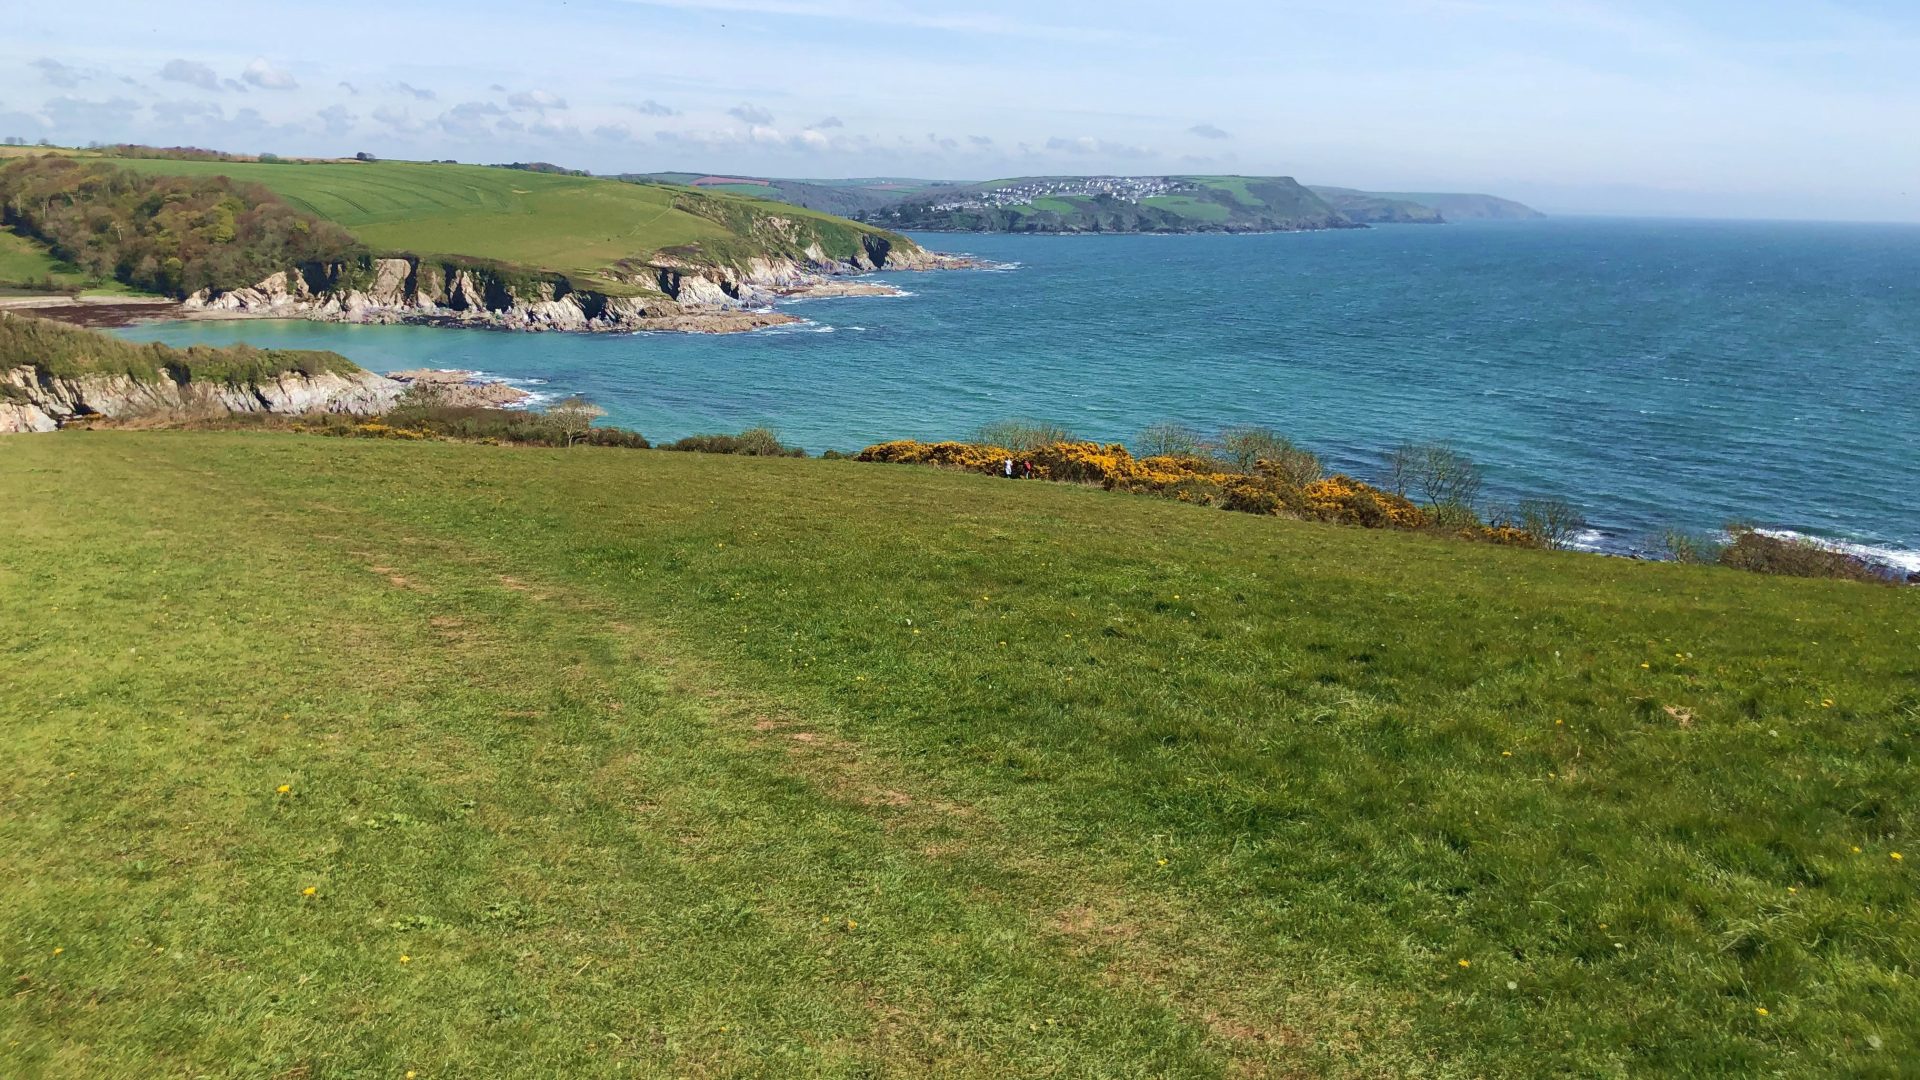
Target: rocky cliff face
{"type": "Point", "coordinates": [667, 293]}
{"type": "Point", "coordinates": [32, 400]}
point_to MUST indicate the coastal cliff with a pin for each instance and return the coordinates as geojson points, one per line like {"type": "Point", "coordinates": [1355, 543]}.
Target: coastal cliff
{"type": "Point", "coordinates": [663, 293]}
{"type": "Point", "coordinates": [52, 375]}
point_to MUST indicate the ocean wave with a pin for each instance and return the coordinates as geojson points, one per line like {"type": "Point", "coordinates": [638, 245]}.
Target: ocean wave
{"type": "Point", "coordinates": [805, 326]}
{"type": "Point", "coordinates": [1899, 558]}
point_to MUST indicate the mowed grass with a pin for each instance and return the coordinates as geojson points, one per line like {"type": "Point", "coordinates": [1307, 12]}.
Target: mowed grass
{"type": "Point", "coordinates": [641, 763]}
{"type": "Point", "coordinates": [572, 225]}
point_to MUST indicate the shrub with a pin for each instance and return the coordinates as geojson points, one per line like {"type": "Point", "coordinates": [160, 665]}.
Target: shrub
{"type": "Point", "coordinates": [1342, 498]}
{"type": "Point", "coordinates": [1021, 435]}
{"type": "Point", "coordinates": [1263, 450]}
{"type": "Point", "coordinates": [1753, 550]}
{"type": "Point", "coordinates": [475, 424]}
{"type": "Point", "coordinates": [753, 442]}
{"type": "Point", "coordinates": [1689, 547]}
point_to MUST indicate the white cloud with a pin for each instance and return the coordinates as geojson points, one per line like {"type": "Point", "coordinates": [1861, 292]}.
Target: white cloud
{"type": "Point", "coordinates": [1208, 131]}
{"type": "Point", "coordinates": [537, 100]}
{"type": "Point", "coordinates": [415, 92]}
{"type": "Point", "coordinates": [267, 77]}
{"type": "Point", "coordinates": [336, 120]}
{"type": "Point", "coordinates": [188, 112]}
{"type": "Point", "coordinates": [57, 73]}
{"type": "Point", "coordinates": [751, 114]}
{"type": "Point", "coordinates": [469, 119]}
{"type": "Point", "coordinates": [1086, 146]}
{"type": "Point", "coordinates": [190, 72]}
{"type": "Point", "coordinates": [829, 122]}
{"type": "Point", "coordinates": [651, 107]}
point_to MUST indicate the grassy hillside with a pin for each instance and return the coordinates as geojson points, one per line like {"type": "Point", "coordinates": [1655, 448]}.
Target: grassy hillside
{"type": "Point", "coordinates": [571, 225]}
{"type": "Point", "coordinates": [1371, 209]}
{"type": "Point", "coordinates": [617, 763]}
{"type": "Point", "coordinates": [1465, 207]}
{"type": "Point", "coordinates": [1159, 204]}
{"type": "Point", "coordinates": [26, 264]}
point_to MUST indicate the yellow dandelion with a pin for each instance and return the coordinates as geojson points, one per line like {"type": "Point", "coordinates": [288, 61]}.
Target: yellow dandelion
{"type": "Point", "coordinates": [1894, 855]}
{"type": "Point", "coordinates": [1856, 849]}
{"type": "Point", "coordinates": [1466, 963]}
{"type": "Point", "coordinates": [57, 950]}
{"type": "Point", "coordinates": [1646, 665]}
{"type": "Point", "coordinates": [1506, 753]}
{"type": "Point", "coordinates": [1761, 1009]}
{"type": "Point", "coordinates": [284, 788]}
{"type": "Point", "coordinates": [1162, 862]}
{"type": "Point", "coordinates": [1558, 723]}
{"type": "Point", "coordinates": [411, 1074]}
{"type": "Point", "coordinates": [405, 959]}
{"type": "Point", "coordinates": [308, 891]}
{"type": "Point", "coordinates": [824, 920]}
{"type": "Point", "coordinates": [851, 925]}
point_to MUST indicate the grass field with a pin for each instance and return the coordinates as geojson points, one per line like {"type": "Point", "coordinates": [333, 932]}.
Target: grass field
{"type": "Point", "coordinates": [23, 260]}
{"type": "Point", "coordinates": [571, 225]}
{"type": "Point", "coordinates": [1188, 206]}
{"type": "Point", "coordinates": [355, 758]}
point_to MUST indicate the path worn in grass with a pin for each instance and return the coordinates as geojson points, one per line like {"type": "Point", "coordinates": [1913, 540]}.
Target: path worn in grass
{"type": "Point", "coordinates": [666, 765]}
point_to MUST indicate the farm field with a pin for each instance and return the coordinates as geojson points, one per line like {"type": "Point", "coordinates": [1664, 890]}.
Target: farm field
{"type": "Point", "coordinates": [348, 757]}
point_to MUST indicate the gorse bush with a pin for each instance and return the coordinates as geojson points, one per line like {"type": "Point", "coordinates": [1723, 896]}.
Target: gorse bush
{"type": "Point", "coordinates": [1187, 478]}
{"type": "Point", "coordinates": [753, 442]}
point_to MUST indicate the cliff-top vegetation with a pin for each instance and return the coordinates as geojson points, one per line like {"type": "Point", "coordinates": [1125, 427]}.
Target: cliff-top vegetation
{"type": "Point", "coordinates": [58, 351]}
{"type": "Point", "coordinates": [338, 757]}
{"type": "Point", "coordinates": [176, 221]}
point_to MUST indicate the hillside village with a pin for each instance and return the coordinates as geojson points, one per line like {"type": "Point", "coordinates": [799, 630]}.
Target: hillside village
{"type": "Point", "coordinates": [1124, 188]}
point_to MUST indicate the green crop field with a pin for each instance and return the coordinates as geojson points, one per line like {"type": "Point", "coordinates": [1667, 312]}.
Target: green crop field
{"type": "Point", "coordinates": [566, 224]}
{"type": "Point", "coordinates": [368, 758]}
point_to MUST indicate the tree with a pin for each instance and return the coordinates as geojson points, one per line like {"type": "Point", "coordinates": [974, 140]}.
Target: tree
{"type": "Point", "coordinates": [1435, 472]}
{"type": "Point", "coordinates": [1554, 522]}
{"type": "Point", "coordinates": [574, 417]}
{"type": "Point", "coordinates": [1169, 440]}
{"type": "Point", "coordinates": [1259, 449]}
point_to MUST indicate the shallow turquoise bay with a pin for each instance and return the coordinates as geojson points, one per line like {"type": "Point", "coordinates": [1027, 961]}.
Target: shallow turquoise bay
{"type": "Point", "coordinates": [1654, 373]}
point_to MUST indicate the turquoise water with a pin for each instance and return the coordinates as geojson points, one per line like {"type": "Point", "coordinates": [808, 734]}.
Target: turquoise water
{"type": "Point", "coordinates": [1654, 373]}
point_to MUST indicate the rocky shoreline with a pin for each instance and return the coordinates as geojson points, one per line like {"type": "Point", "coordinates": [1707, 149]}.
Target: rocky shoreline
{"type": "Point", "coordinates": [666, 297]}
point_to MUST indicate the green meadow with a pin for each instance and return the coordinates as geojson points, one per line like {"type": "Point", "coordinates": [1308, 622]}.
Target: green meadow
{"type": "Point", "coordinates": [573, 225]}
{"type": "Point", "coordinates": [333, 757]}
{"type": "Point", "coordinates": [24, 261]}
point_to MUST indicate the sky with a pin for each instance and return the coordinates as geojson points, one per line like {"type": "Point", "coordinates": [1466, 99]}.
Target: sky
{"type": "Point", "coordinates": [1725, 108]}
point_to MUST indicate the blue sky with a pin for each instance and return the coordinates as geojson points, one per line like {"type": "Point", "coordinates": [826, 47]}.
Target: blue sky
{"type": "Point", "coordinates": [1756, 109]}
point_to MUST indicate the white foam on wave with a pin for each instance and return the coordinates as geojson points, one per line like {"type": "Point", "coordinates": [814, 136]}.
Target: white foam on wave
{"type": "Point", "coordinates": [1899, 558]}
{"type": "Point", "coordinates": [1003, 267]}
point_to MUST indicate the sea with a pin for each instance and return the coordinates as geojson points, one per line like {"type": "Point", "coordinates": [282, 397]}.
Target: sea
{"type": "Point", "coordinates": [1657, 374]}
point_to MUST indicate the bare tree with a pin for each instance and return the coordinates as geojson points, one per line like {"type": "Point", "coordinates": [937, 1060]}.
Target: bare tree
{"type": "Point", "coordinates": [1259, 449]}
{"type": "Point", "coordinates": [1435, 472]}
{"type": "Point", "coordinates": [1169, 440]}
{"type": "Point", "coordinates": [574, 417]}
{"type": "Point", "coordinates": [1555, 522]}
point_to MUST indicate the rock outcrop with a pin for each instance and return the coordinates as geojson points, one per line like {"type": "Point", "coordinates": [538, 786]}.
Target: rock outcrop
{"type": "Point", "coordinates": [666, 292]}
{"type": "Point", "coordinates": [32, 400]}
